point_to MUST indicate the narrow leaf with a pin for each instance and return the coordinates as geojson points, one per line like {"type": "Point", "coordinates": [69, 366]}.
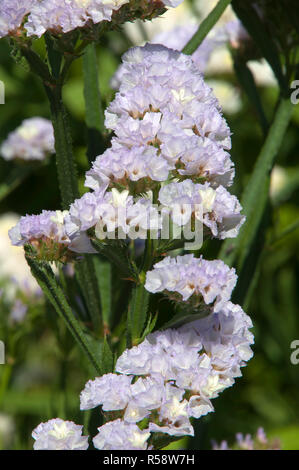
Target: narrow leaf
{"type": "Point", "coordinates": [137, 314]}
{"type": "Point", "coordinates": [103, 270]}
{"type": "Point", "coordinates": [205, 27]}
{"type": "Point", "coordinates": [255, 196]}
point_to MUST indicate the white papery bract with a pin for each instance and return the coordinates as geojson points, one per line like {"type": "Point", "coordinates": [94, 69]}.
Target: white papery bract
{"type": "Point", "coordinates": [217, 209]}
{"type": "Point", "coordinates": [32, 140]}
{"type": "Point", "coordinates": [211, 281]}
{"type": "Point", "coordinates": [12, 14]}
{"type": "Point", "coordinates": [118, 435]}
{"type": "Point", "coordinates": [58, 434]}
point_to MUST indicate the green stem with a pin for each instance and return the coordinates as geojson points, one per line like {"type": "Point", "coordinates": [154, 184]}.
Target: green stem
{"type": "Point", "coordinates": [66, 168]}
{"type": "Point", "coordinates": [205, 27]}
{"type": "Point", "coordinates": [48, 283]}
{"type": "Point", "coordinates": [93, 106]}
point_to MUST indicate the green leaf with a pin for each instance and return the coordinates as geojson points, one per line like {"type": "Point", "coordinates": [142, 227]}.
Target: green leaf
{"type": "Point", "coordinates": [151, 323]}
{"type": "Point", "coordinates": [137, 314]}
{"type": "Point", "coordinates": [107, 358]}
{"type": "Point", "coordinates": [255, 196]}
{"type": "Point", "coordinates": [116, 251]}
{"type": "Point", "coordinates": [54, 56]}
{"type": "Point", "coordinates": [86, 275]}
{"type": "Point", "coordinates": [205, 27]}
{"type": "Point", "coordinates": [48, 283]}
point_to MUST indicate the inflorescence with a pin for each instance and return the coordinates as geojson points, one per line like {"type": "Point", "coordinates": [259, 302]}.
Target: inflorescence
{"type": "Point", "coordinates": [169, 156]}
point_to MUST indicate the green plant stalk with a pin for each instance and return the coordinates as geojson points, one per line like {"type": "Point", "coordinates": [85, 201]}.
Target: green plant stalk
{"type": "Point", "coordinates": [254, 198]}
{"type": "Point", "coordinates": [47, 281]}
{"type": "Point", "coordinates": [138, 308]}
{"type": "Point", "coordinates": [86, 275]}
{"type": "Point", "coordinates": [103, 271]}
{"type": "Point", "coordinates": [205, 27]}
{"type": "Point", "coordinates": [93, 106]}
{"type": "Point", "coordinates": [66, 168]}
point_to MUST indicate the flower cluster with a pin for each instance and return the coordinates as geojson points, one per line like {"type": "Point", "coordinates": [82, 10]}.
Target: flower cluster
{"type": "Point", "coordinates": [112, 213]}
{"type": "Point", "coordinates": [247, 442]}
{"type": "Point", "coordinates": [205, 281]}
{"type": "Point", "coordinates": [12, 14]}
{"type": "Point", "coordinates": [47, 234]}
{"type": "Point", "coordinates": [170, 148]}
{"type": "Point", "coordinates": [160, 384]}
{"type": "Point", "coordinates": [63, 16]}
{"type": "Point", "coordinates": [32, 140]}
{"type": "Point", "coordinates": [169, 378]}
{"type": "Point", "coordinates": [216, 209]}
{"type": "Point", "coordinates": [57, 434]}
{"type": "Point", "coordinates": [167, 124]}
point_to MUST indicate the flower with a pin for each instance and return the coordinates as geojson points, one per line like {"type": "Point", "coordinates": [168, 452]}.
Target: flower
{"type": "Point", "coordinates": [211, 281]}
{"type": "Point", "coordinates": [12, 15]}
{"type": "Point", "coordinates": [48, 224]}
{"type": "Point", "coordinates": [167, 123]}
{"type": "Point", "coordinates": [118, 435]}
{"type": "Point", "coordinates": [46, 232]}
{"type": "Point", "coordinates": [65, 15]}
{"type": "Point", "coordinates": [57, 434]}
{"type": "Point", "coordinates": [216, 209]}
{"type": "Point", "coordinates": [32, 140]}
{"type": "Point", "coordinates": [111, 212]}
{"type": "Point", "coordinates": [202, 357]}
{"type": "Point", "coordinates": [111, 391]}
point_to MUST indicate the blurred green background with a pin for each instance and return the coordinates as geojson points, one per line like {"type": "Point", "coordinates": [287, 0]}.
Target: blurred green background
{"type": "Point", "coordinates": [44, 373]}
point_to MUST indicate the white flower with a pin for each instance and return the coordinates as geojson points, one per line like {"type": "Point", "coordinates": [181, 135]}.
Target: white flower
{"type": "Point", "coordinates": [118, 435]}
{"type": "Point", "coordinates": [57, 434]}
